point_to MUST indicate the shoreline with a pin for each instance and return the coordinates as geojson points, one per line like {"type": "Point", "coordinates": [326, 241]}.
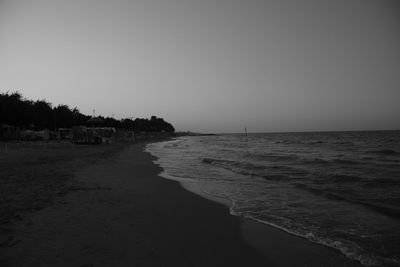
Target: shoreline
{"type": "Point", "coordinates": [307, 251]}
{"type": "Point", "coordinates": [257, 234]}
{"type": "Point", "coordinates": [124, 214]}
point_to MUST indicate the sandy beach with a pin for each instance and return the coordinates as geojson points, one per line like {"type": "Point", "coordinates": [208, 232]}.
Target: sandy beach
{"type": "Point", "coordinates": [199, 133]}
{"type": "Point", "coordinates": [121, 213]}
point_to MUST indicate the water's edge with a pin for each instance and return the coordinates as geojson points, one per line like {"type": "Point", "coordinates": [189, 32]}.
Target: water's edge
{"type": "Point", "coordinates": [229, 203]}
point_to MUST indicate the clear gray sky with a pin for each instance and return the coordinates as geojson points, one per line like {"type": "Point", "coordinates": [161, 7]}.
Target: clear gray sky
{"type": "Point", "coordinates": [210, 65]}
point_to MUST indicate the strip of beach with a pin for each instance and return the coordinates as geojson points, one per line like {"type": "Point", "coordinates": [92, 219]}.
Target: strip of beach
{"type": "Point", "coordinates": [111, 208]}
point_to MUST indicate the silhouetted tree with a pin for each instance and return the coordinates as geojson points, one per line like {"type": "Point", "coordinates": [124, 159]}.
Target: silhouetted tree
{"type": "Point", "coordinates": [63, 116]}
{"type": "Point", "coordinates": [128, 124]}
{"type": "Point", "coordinates": [79, 118]}
{"type": "Point", "coordinates": [153, 125]}
{"type": "Point", "coordinates": [111, 122]}
{"type": "Point", "coordinates": [17, 111]}
{"type": "Point", "coordinates": [43, 115]}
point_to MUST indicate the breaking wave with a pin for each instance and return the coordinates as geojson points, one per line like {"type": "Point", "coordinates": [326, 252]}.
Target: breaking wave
{"type": "Point", "coordinates": [292, 181]}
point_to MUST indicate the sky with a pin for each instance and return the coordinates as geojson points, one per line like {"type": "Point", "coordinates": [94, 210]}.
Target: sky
{"type": "Point", "coordinates": [210, 65]}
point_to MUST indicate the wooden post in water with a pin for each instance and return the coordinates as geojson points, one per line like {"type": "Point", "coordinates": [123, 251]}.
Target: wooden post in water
{"type": "Point", "coordinates": [245, 132]}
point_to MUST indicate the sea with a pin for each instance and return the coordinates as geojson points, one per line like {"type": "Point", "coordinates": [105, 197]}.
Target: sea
{"type": "Point", "coordinates": [338, 189]}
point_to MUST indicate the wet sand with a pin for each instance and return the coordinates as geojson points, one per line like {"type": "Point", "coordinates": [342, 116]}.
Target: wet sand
{"type": "Point", "coordinates": [122, 213]}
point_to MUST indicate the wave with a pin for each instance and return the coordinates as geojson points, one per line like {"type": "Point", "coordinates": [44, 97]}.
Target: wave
{"type": "Point", "coordinates": [347, 161]}
{"type": "Point", "coordinates": [382, 182]}
{"type": "Point", "coordinates": [384, 152]}
{"type": "Point", "coordinates": [343, 178]}
{"type": "Point", "coordinates": [319, 161]}
{"type": "Point", "coordinates": [234, 166]}
{"type": "Point", "coordinates": [315, 142]}
{"type": "Point", "coordinates": [249, 169]}
{"type": "Point", "coordinates": [384, 210]}
{"type": "Point", "coordinates": [362, 161]}
{"type": "Point", "coordinates": [228, 163]}
{"type": "Point", "coordinates": [348, 248]}
{"type": "Point", "coordinates": [342, 189]}
{"type": "Point", "coordinates": [347, 143]}
{"type": "Point", "coordinates": [349, 176]}
{"type": "Point", "coordinates": [271, 157]}
{"type": "Point", "coordinates": [319, 192]}
{"type": "Point", "coordinates": [388, 211]}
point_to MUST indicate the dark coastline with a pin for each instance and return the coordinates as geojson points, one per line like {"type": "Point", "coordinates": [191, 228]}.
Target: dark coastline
{"type": "Point", "coordinates": [129, 216]}
{"type": "Point", "coordinates": [279, 247]}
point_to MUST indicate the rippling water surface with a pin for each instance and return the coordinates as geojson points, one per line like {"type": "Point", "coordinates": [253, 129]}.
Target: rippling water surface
{"type": "Point", "coordinates": [340, 189]}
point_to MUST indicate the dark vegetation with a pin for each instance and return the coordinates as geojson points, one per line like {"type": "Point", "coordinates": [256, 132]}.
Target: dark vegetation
{"type": "Point", "coordinates": [38, 115]}
{"type": "Point", "coordinates": [34, 175]}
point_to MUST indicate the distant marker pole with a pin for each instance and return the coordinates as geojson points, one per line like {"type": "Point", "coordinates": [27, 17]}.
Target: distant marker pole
{"type": "Point", "coordinates": [245, 132]}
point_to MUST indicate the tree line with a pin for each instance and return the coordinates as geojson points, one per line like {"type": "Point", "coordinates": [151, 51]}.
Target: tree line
{"type": "Point", "coordinates": [40, 114]}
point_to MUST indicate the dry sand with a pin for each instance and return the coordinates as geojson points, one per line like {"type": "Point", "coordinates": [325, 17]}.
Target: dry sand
{"type": "Point", "coordinates": [122, 213]}
{"type": "Point", "coordinates": [33, 175]}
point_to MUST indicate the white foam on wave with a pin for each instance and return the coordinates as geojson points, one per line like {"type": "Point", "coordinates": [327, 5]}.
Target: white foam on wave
{"type": "Point", "coordinates": [348, 248]}
{"type": "Point", "coordinates": [338, 245]}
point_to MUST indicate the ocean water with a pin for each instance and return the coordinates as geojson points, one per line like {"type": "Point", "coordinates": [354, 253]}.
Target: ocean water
{"type": "Point", "coordinates": [339, 189]}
